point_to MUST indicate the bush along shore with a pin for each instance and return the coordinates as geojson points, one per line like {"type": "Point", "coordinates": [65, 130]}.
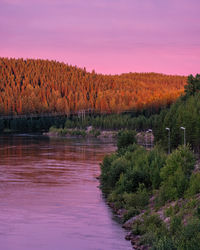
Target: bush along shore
{"type": "Point", "coordinates": [102, 126]}
{"type": "Point", "coordinates": [76, 132]}
{"type": "Point", "coordinates": [155, 194]}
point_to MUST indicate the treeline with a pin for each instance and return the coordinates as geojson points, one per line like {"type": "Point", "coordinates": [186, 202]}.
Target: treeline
{"type": "Point", "coordinates": [25, 125]}
{"type": "Point", "coordinates": [42, 86]}
{"type": "Point", "coordinates": [159, 192]}
{"type": "Point", "coordinates": [112, 122]}
{"type": "Point", "coordinates": [136, 121]}
{"type": "Point", "coordinates": [185, 112]}
{"type": "Point", "coordinates": [101, 122]}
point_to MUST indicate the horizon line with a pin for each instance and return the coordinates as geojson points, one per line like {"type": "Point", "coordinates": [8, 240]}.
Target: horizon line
{"type": "Point", "coordinates": [90, 71]}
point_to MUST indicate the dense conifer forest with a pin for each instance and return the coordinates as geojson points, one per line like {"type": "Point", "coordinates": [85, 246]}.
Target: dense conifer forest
{"type": "Point", "coordinates": [184, 113]}
{"type": "Point", "coordinates": [42, 86]}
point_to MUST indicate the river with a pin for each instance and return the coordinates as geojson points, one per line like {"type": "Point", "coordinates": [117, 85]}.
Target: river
{"type": "Point", "coordinates": [49, 195]}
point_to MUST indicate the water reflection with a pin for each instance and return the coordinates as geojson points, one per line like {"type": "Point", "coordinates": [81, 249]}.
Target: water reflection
{"type": "Point", "coordinates": [49, 197]}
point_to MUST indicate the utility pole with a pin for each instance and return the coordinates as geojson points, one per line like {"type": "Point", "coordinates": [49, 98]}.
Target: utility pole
{"type": "Point", "coordinates": [183, 134]}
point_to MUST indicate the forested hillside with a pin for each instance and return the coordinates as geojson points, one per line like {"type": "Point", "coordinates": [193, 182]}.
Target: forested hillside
{"type": "Point", "coordinates": [42, 86]}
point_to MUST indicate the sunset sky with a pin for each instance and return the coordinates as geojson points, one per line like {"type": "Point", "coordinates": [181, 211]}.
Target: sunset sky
{"type": "Point", "coordinates": [110, 36]}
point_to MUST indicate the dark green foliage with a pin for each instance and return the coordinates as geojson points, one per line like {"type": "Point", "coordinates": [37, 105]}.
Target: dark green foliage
{"type": "Point", "coordinates": [100, 122]}
{"type": "Point", "coordinates": [184, 113]}
{"type": "Point", "coordinates": [178, 237]}
{"type": "Point", "coordinates": [125, 138]}
{"type": "Point", "coordinates": [176, 174]}
{"type": "Point", "coordinates": [150, 227]}
{"type": "Point", "coordinates": [95, 132]}
{"type": "Point", "coordinates": [78, 133]}
{"type": "Point", "coordinates": [193, 85]}
{"type": "Point", "coordinates": [137, 200]}
{"type": "Point", "coordinates": [113, 122]}
{"type": "Point", "coordinates": [138, 227]}
{"type": "Point", "coordinates": [181, 158]}
{"type": "Point", "coordinates": [128, 176]}
{"type": "Point", "coordinates": [105, 172]}
{"type": "Point", "coordinates": [175, 225]}
{"type": "Point", "coordinates": [133, 174]}
{"type": "Point", "coordinates": [194, 185]}
{"type": "Point", "coordinates": [189, 237]}
{"type": "Point", "coordinates": [117, 167]}
{"type": "Point", "coordinates": [156, 159]}
{"type": "Point", "coordinates": [26, 125]}
{"type": "Point", "coordinates": [164, 243]}
{"type": "Point", "coordinates": [130, 213]}
{"type": "Point", "coordinates": [1, 125]}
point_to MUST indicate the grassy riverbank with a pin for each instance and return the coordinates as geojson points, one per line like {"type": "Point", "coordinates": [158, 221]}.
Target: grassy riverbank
{"type": "Point", "coordinates": [157, 195]}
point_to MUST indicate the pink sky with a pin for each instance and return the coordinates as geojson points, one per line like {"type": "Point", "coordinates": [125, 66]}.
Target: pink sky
{"type": "Point", "coordinates": [110, 36]}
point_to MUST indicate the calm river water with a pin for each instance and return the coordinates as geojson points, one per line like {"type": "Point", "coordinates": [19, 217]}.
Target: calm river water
{"type": "Point", "coordinates": [49, 196]}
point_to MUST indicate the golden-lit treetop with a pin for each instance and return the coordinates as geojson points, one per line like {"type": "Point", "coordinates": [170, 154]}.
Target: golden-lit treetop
{"type": "Point", "coordinates": [42, 86]}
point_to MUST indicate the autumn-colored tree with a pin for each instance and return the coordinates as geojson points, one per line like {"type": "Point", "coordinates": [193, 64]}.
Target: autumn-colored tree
{"type": "Point", "coordinates": [42, 86]}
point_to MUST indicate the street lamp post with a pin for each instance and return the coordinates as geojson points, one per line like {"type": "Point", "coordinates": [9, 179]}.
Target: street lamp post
{"type": "Point", "coordinates": [168, 129]}
{"type": "Point", "coordinates": [183, 134]}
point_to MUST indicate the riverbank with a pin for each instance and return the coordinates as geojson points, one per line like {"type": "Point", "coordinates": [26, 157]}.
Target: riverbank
{"type": "Point", "coordinates": [144, 138]}
{"type": "Point", "coordinates": [156, 195]}
{"type": "Point", "coordinates": [185, 208]}
{"type": "Point", "coordinates": [88, 132]}
{"type": "Point", "coordinates": [104, 134]}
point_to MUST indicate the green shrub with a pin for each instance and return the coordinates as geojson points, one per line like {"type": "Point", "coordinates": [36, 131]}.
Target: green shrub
{"type": "Point", "coordinates": [192, 203]}
{"type": "Point", "coordinates": [175, 174]}
{"type": "Point", "coordinates": [152, 222]}
{"type": "Point", "coordinates": [169, 211]}
{"type": "Point", "coordinates": [175, 225]}
{"type": "Point", "coordinates": [105, 172]}
{"type": "Point", "coordinates": [194, 185]}
{"type": "Point", "coordinates": [112, 167]}
{"type": "Point", "coordinates": [63, 131]}
{"type": "Point", "coordinates": [117, 199]}
{"type": "Point", "coordinates": [164, 243]}
{"type": "Point", "coordinates": [130, 213]}
{"type": "Point", "coordinates": [69, 124]}
{"type": "Point", "coordinates": [151, 227]}
{"type": "Point", "coordinates": [138, 227]}
{"type": "Point", "coordinates": [181, 158]}
{"type": "Point", "coordinates": [198, 212]}
{"type": "Point", "coordinates": [126, 138]}
{"type": "Point", "coordinates": [117, 167]}
{"type": "Point", "coordinates": [157, 159]}
{"type": "Point", "coordinates": [53, 129]}
{"type": "Point", "coordinates": [95, 132]}
{"type": "Point", "coordinates": [148, 238]}
{"type": "Point", "coordinates": [189, 237]}
{"type": "Point", "coordinates": [138, 172]}
{"type": "Point", "coordinates": [78, 133]}
{"type": "Point", "coordinates": [128, 151]}
{"type": "Point", "coordinates": [138, 200]}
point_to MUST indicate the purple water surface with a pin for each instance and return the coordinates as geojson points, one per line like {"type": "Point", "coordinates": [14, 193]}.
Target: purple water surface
{"type": "Point", "coordinates": [49, 196]}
